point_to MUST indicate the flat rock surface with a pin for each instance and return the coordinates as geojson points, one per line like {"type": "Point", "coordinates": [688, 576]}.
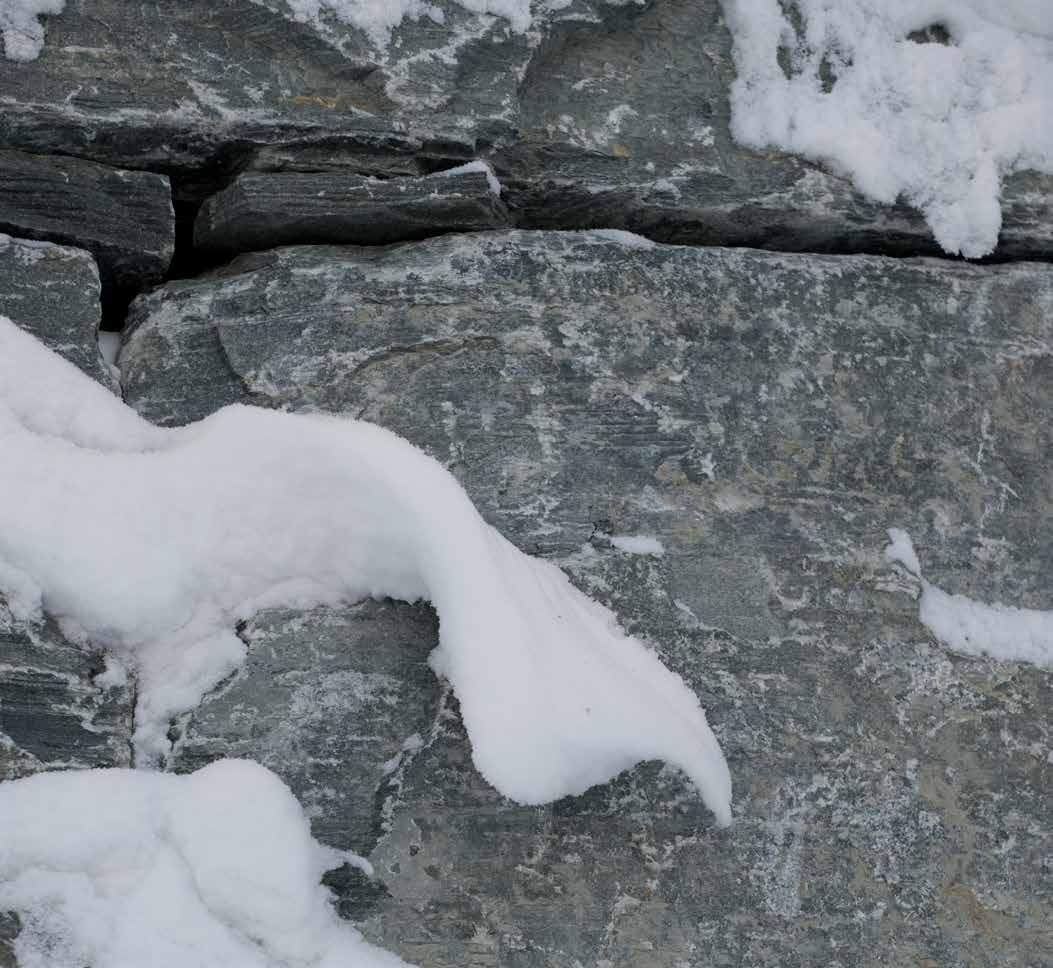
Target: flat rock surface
{"type": "Point", "coordinates": [602, 114]}
{"type": "Point", "coordinates": [264, 210]}
{"type": "Point", "coordinates": [765, 418]}
{"type": "Point", "coordinates": [52, 291]}
{"type": "Point", "coordinates": [124, 218]}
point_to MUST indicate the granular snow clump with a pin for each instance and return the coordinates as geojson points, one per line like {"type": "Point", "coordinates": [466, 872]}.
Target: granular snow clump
{"type": "Point", "coordinates": [127, 868]}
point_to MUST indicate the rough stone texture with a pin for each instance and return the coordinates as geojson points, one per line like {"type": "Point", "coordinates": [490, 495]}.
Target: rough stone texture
{"type": "Point", "coordinates": [261, 211]}
{"type": "Point", "coordinates": [299, 705]}
{"type": "Point", "coordinates": [52, 714]}
{"type": "Point", "coordinates": [124, 218]}
{"type": "Point", "coordinates": [53, 292]}
{"type": "Point", "coordinates": [10, 925]}
{"type": "Point", "coordinates": [611, 114]}
{"type": "Point", "coordinates": [765, 416]}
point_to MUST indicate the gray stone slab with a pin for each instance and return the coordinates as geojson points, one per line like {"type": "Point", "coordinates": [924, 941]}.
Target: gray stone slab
{"type": "Point", "coordinates": [605, 114]}
{"type": "Point", "coordinates": [261, 211]}
{"type": "Point", "coordinates": [53, 715]}
{"type": "Point", "coordinates": [333, 701]}
{"type": "Point", "coordinates": [52, 291]}
{"type": "Point", "coordinates": [766, 417]}
{"type": "Point", "coordinates": [124, 218]}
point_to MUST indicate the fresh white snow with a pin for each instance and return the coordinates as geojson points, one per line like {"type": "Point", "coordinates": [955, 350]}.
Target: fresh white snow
{"type": "Point", "coordinates": [971, 627]}
{"type": "Point", "coordinates": [638, 544]}
{"type": "Point", "coordinates": [22, 28]}
{"type": "Point", "coordinates": [126, 868]}
{"type": "Point", "coordinates": [938, 125]}
{"type": "Point", "coordinates": [253, 508]}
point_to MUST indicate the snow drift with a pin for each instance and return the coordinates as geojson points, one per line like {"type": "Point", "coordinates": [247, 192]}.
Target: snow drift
{"type": "Point", "coordinates": [938, 124]}
{"type": "Point", "coordinates": [125, 868]}
{"type": "Point", "coordinates": [153, 543]}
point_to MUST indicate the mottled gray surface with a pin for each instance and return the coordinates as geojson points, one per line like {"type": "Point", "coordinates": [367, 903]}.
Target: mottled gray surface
{"type": "Point", "coordinates": [766, 417]}
{"type": "Point", "coordinates": [124, 218]}
{"type": "Point", "coordinates": [52, 291]}
{"type": "Point", "coordinates": [264, 210]}
{"type": "Point", "coordinates": [52, 714]}
{"type": "Point", "coordinates": [611, 114]}
{"type": "Point", "coordinates": [334, 700]}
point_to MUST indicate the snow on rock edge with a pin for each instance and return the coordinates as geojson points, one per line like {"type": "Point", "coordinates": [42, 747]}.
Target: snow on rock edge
{"type": "Point", "coordinates": [254, 508]}
{"type": "Point", "coordinates": [971, 627]}
{"type": "Point", "coordinates": [938, 124]}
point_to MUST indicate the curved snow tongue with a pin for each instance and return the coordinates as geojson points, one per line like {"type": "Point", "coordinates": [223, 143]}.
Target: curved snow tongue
{"type": "Point", "coordinates": [254, 508]}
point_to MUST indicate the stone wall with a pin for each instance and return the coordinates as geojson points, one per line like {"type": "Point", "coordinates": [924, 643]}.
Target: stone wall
{"type": "Point", "coordinates": [765, 377]}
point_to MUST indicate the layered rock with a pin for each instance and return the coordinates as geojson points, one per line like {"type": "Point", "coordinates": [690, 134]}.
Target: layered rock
{"type": "Point", "coordinates": [334, 700]}
{"type": "Point", "coordinates": [53, 712]}
{"type": "Point", "coordinates": [124, 218]}
{"type": "Point", "coordinates": [762, 419]}
{"type": "Point", "coordinates": [601, 114]}
{"type": "Point", "coordinates": [53, 292]}
{"type": "Point", "coordinates": [264, 210]}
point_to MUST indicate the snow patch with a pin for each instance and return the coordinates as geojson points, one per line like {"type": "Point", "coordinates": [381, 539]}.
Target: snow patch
{"type": "Point", "coordinates": [938, 124]}
{"type": "Point", "coordinates": [638, 544]}
{"type": "Point", "coordinates": [254, 508]}
{"type": "Point", "coordinates": [22, 28]}
{"type": "Point", "coordinates": [973, 628]}
{"type": "Point", "coordinates": [112, 868]}
{"type": "Point", "coordinates": [472, 166]}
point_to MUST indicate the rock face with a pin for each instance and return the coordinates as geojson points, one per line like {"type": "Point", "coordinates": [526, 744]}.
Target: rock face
{"type": "Point", "coordinates": [303, 711]}
{"type": "Point", "coordinates": [124, 218]}
{"type": "Point", "coordinates": [765, 417]}
{"type": "Point", "coordinates": [603, 113]}
{"type": "Point", "coordinates": [260, 211]}
{"type": "Point", "coordinates": [53, 292]}
{"type": "Point", "coordinates": [761, 417]}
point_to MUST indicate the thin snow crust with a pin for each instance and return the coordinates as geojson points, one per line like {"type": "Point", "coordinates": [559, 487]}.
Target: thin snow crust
{"type": "Point", "coordinates": [638, 544]}
{"type": "Point", "coordinates": [629, 240]}
{"type": "Point", "coordinates": [971, 627]}
{"type": "Point", "coordinates": [492, 181]}
{"type": "Point", "coordinates": [937, 124]}
{"type": "Point", "coordinates": [127, 868]}
{"type": "Point", "coordinates": [378, 18]}
{"type": "Point", "coordinates": [253, 508]}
